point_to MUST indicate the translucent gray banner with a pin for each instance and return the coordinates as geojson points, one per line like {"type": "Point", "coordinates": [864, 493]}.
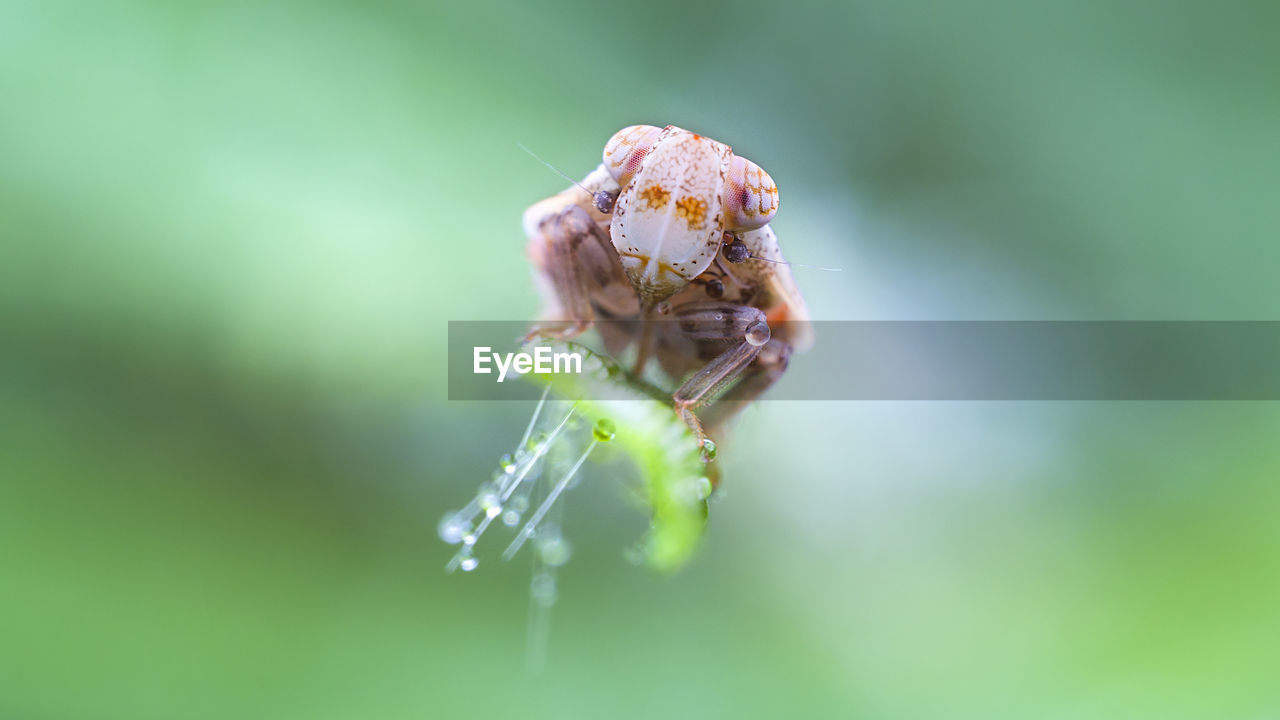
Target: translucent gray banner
{"type": "Point", "coordinates": [978, 360]}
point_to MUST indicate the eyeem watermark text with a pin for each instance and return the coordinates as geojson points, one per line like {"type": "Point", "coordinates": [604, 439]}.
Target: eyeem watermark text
{"type": "Point", "coordinates": [540, 362]}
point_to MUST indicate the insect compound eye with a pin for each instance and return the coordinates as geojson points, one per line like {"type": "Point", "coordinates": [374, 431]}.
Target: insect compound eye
{"type": "Point", "coordinates": [626, 150]}
{"type": "Point", "coordinates": [736, 251]}
{"type": "Point", "coordinates": [604, 201]}
{"type": "Point", "coordinates": [750, 196]}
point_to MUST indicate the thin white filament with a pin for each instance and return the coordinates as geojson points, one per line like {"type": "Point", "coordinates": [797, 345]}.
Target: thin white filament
{"type": "Point", "coordinates": [531, 526]}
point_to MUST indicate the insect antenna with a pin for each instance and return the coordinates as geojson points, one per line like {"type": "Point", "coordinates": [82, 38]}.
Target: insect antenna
{"type": "Point", "coordinates": [736, 251]}
{"type": "Point", "coordinates": [799, 265]}
{"type": "Point", "coordinates": [551, 167]}
{"type": "Point", "coordinates": [603, 200]}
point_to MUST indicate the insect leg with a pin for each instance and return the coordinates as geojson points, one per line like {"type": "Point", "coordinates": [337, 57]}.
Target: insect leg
{"type": "Point", "coordinates": [576, 257]}
{"type": "Point", "coordinates": [715, 321]}
{"type": "Point", "coordinates": [768, 367]}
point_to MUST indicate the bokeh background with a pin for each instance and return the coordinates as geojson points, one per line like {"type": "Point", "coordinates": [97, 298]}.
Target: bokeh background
{"type": "Point", "coordinates": [233, 233]}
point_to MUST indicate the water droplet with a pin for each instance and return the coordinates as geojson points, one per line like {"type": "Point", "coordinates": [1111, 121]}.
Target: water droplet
{"type": "Point", "coordinates": [488, 500]}
{"type": "Point", "coordinates": [453, 529]}
{"type": "Point", "coordinates": [537, 441]}
{"type": "Point", "coordinates": [468, 564]}
{"type": "Point", "coordinates": [507, 464]}
{"type": "Point", "coordinates": [758, 334]}
{"type": "Point", "coordinates": [469, 539]}
{"type": "Point", "coordinates": [708, 450]}
{"type": "Point", "coordinates": [604, 430]}
{"type": "Point", "coordinates": [704, 488]}
{"type": "Point", "coordinates": [510, 518]}
{"type": "Point", "coordinates": [543, 588]}
{"type": "Point", "coordinates": [554, 550]}
{"type": "Point", "coordinates": [519, 503]}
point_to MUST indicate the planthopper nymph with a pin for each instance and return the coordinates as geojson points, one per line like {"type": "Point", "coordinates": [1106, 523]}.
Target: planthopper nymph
{"type": "Point", "coordinates": [665, 250]}
{"type": "Point", "coordinates": [671, 232]}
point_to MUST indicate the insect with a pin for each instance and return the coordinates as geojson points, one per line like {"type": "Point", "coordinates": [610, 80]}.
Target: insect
{"type": "Point", "coordinates": [665, 248]}
{"type": "Point", "coordinates": [670, 234]}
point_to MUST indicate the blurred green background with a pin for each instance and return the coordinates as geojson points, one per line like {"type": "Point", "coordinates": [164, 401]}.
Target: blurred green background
{"type": "Point", "coordinates": [233, 233]}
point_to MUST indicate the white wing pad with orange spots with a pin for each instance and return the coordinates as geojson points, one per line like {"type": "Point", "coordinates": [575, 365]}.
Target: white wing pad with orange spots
{"type": "Point", "coordinates": [669, 222]}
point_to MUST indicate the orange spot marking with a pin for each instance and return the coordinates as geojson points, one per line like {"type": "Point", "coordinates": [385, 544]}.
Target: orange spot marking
{"type": "Point", "coordinates": [655, 196]}
{"type": "Point", "coordinates": [693, 210]}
